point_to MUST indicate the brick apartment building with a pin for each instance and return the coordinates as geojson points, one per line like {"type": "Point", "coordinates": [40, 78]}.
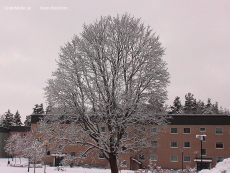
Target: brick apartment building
{"type": "Point", "coordinates": [179, 139]}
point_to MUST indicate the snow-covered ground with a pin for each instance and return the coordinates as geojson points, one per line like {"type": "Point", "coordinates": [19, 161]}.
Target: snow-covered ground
{"type": "Point", "coordinates": [9, 169]}
{"type": "Point", "coordinates": [221, 167]}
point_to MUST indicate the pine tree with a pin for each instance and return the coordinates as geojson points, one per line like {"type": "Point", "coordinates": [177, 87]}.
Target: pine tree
{"type": "Point", "coordinates": [208, 107]}
{"type": "Point", "coordinates": [190, 105]}
{"type": "Point", "coordinates": [17, 119]}
{"type": "Point", "coordinates": [200, 107]}
{"type": "Point", "coordinates": [8, 119]}
{"type": "Point", "coordinates": [177, 107]}
{"type": "Point", "coordinates": [215, 108]}
{"type": "Point", "coordinates": [27, 122]}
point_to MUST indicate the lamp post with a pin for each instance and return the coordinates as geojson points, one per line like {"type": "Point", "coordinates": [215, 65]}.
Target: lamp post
{"type": "Point", "coordinates": [45, 144]}
{"type": "Point", "coordinates": [182, 159]}
{"type": "Point", "coordinates": [201, 138]}
{"type": "Point", "coordinates": [196, 152]}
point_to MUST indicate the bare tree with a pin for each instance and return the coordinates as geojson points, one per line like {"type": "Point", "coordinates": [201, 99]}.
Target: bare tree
{"type": "Point", "coordinates": [33, 149]}
{"type": "Point", "coordinates": [108, 77]}
{"type": "Point", "coordinates": [12, 143]}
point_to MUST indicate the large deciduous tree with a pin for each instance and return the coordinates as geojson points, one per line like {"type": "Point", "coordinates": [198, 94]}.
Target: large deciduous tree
{"type": "Point", "coordinates": [110, 74]}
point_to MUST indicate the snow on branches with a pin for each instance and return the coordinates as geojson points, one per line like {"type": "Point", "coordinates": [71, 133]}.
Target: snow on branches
{"type": "Point", "coordinates": [107, 77]}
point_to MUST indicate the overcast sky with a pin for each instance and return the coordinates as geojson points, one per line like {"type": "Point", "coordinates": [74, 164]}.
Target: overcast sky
{"type": "Point", "coordinates": [196, 35]}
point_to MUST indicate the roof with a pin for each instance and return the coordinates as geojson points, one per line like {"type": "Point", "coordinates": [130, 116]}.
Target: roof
{"type": "Point", "coordinates": [19, 128]}
{"type": "Point", "coordinates": [200, 119]}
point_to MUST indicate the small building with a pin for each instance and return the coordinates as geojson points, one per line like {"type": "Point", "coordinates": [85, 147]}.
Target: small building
{"type": "Point", "coordinates": [6, 132]}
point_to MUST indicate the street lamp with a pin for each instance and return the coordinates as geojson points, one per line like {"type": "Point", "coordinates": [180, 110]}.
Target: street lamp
{"type": "Point", "coordinates": [201, 138]}
{"type": "Point", "coordinates": [196, 152]}
{"type": "Point", "coordinates": [45, 144]}
{"type": "Point", "coordinates": [182, 162]}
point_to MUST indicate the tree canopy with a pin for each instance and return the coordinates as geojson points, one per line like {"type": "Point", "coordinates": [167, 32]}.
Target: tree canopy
{"type": "Point", "coordinates": [113, 71]}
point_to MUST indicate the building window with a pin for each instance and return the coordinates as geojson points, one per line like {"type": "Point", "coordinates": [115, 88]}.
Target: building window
{"type": "Point", "coordinates": [202, 129]}
{"type": "Point", "coordinates": [124, 135]}
{"type": "Point", "coordinates": [48, 153]}
{"type": "Point", "coordinates": [186, 130]}
{"type": "Point", "coordinates": [39, 139]}
{"type": "Point", "coordinates": [124, 163]}
{"type": "Point", "coordinates": [153, 143]}
{"type": "Point", "coordinates": [101, 155]}
{"type": "Point", "coordinates": [153, 130]}
{"type": "Point", "coordinates": [219, 159]}
{"type": "Point", "coordinates": [39, 128]}
{"type": "Point", "coordinates": [174, 158]}
{"type": "Point", "coordinates": [219, 131]}
{"type": "Point", "coordinates": [203, 152]}
{"type": "Point", "coordinates": [142, 130]}
{"type": "Point", "coordinates": [174, 130]}
{"type": "Point", "coordinates": [102, 129]}
{"type": "Point", "coordinates": [187, 145]}
{"type": "Point", "coordinates": [187, 159]}
{"type": "Point", "coordinates": [153, 157]}
{"type": "Point", "coordinates": [141, 157]}
{"type": "Point", "coordinates": [72, 154]}
{"type": "Point", "coordinates": [219, 145]}
{"type": "Point", "coordinates": [123, 148]}
{"type": "Point", "coordinates": [174, 144]}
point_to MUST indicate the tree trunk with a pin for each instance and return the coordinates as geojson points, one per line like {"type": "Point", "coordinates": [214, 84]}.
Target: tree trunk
{"type": "Point", "coordinates": [113, 163]}
{"type": "Point", "coordinates": [28, 165]}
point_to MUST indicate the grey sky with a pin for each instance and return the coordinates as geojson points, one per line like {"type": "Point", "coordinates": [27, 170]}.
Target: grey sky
{"type": "Point", "coordinates": [196, 35]}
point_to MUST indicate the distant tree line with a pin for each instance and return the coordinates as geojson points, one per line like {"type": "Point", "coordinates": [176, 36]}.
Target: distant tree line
{"type": "Point", "coordinates": [9, 119]}
{"type": "Point", "coordinates": [192, 106]}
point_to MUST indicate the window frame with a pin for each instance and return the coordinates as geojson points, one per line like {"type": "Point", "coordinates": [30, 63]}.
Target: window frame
{"type": "Point", "coordinates": [171, 130]}
{"type": "Point", "coordinates": [217, 159]}
{"type": "Point", "coordinates": [202, 130]}
{"type": "Point", "coordinates": [184, 130]}
{"type": "Point", "coordinates": [154, 156]}
{"type": "Point", "coordinates": [72, 153]}
{"type": "Point", "coordinates": [184, 160]}
{"type": "Point", "coordinates": [39, 128]}
{"type": "Point", "coordinates": [171, 156]}
{"type": "Point", "coordinates": [219, 144]}
{"type": "Point", "coordinates": [204, 152]}
{"type": "Point", "coordinates": [186, 142]}
{"type": "Point", "coordinates": [219, 133]}
{"type": "Point", "coordinates": [175, 142]}
{"type": "Point", "coordinates": [102, 129]}
{"type": "Point", "coordinates": [153, 143]}
{"type": "Point", "coordinates": [153, 131]}
{"type": "Point", "coordinates": [101, 155]}
{"type": "Point", "coordinates": [142, 130]}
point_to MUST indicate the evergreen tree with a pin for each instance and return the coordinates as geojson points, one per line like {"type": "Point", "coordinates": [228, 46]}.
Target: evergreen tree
{"type": "Point", "coordinates": [200, 107]}
{"type": "Point", "coordinates": [215, 108]}
{"type": "Point", "coordinates": [177, 107]}
{"type": "Point", "coordinates": [17, 119]}
{"type": "Point", "coordinates": [27, 122]}
{"type": "Point", "coordinates": [190, 104]}
{"type": "Point", "coordinates": [1, 121]}
{"type": "Point", "coordinates": [8, 119]}
{"type": "Point", "coordinates": [208, 107]}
